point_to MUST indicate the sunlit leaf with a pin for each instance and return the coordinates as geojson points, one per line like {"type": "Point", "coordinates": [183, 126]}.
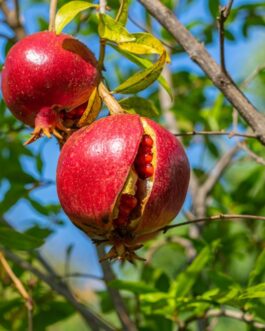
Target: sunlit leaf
{"type": "Point", "coordinates": [113, 31]}
{"type": "Point", "coordinates": [122, 15]}
{"type": "Point", "coordinates": [68, 12]}
{"type": "Point", "coordinates": [144, 63]}
{"type": "Point", "coordinates": [142, 79]}
{"type": "Point", "coordinates": [92, 110]}
{"type": "Point", "coordinates": [144, 43]}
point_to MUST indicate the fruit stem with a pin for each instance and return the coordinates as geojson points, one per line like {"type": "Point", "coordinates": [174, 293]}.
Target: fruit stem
{"type": "Point", "coordinates": [111, 103]}
{"type": "Point", "coordinates": [53, 7]}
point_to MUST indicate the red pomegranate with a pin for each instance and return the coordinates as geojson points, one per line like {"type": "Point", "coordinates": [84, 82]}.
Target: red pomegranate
{"type": "Point", "coordinates": [45, 73]}
{"type": "Point", "coordinates": [121, 180]}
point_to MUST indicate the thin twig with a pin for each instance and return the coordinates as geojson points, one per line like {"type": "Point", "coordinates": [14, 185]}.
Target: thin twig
{"type": "Point", "coordinates": [21, 289]}
{"type": "Point", "coordinates": [253, 155]}
{"type": "Point", "coordinates": [217, 133]}
{"type": "Point", "coordinates": [102, 11]}
{"type": "Point", "coordinates": [224, 12]}
{"type": "Point", "coordinates": [102, 6]}
{"type": "Point", "coordinates": [127, 324]}
{"type": "Point", "coordinates": [252, 76]}
{"type": "Point", "coordinates": [82, 275]}
{"type": "Point", "coordinates": [17, 9]}
{"type": "Point", "coordinates": [220, 217]}
{"type": "Point", "coordinates": [53, 8]}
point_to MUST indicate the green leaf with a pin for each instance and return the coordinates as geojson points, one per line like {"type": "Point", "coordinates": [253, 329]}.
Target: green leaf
{"type": "Point", "coordinates": [137, 105]}
{"type": "Point", "coordinates": [68, 12]}
{"type": "Point", "coordinates": [253, 292]}
{"type": "Point", "coordinates": [213, 7]}
{"type": "Point", "coordinates": [141, 80]}
{"type": "Point", "coordinates": [185, 280]}
{"type": "Point", "coordinates": [10, 238]}
{"type": "Point", "coordinates": [134, 287]}
{"type": "Point", "coordinates": [38, 232]}
{"type": "Point", "coordinates": [113, 31]}
{"type": "Point", "coordinates": [144, 43]}
{"type": "Point", "coordinates": [122, 15]}
{"type": "Point", "coordinates": [52, 312]}
{"type": "Point", "coordinates": [259, 268]}
{"type": "Point", "coordinates": [144, 63]}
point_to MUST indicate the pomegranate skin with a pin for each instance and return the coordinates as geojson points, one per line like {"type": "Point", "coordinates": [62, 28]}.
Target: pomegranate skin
{"type": "Point", "coordinates": [47, 70]}
{"type": "Point", "coordinates": [93, 167]}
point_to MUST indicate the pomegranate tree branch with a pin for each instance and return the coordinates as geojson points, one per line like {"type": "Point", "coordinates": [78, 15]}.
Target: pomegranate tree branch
{"type": "Point", "coordinates": [17, 9]}
{"type": "Point", "coordinates": [230, 313]}
{"type": "Point", "coordinates": [217, 133]}
{"type": "Point", "coordinates": [102, 11]}
{"type": "Point", "coordinates": [102, 6]}
{"type": "Point", "coordinates": [12, 18]}
{"type": "Point", "coordinates": [200, 55]}
{"type": "Point", "coordinates": [20, 287]}
{"type": "Point", "coordinates": [218, 170]}
{"type": "Point", "coordinates": [53, 8]}
{"type": "Point", "coordinates": [94, 321]}
{"type": "Point", "coordinates": [127, 324]}
{"type": "Point", "coordinates": [220, 217]}
{"type": "Point", "coordinates": [224, 12]}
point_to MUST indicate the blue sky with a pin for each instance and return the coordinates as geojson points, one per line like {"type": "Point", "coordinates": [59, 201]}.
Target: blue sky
{"type": "Point", "coordinates": [21, 215]}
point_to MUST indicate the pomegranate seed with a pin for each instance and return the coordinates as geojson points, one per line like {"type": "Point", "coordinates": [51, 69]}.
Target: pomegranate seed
{"type": "Point", "coordinates": [128, 201]}
{"type": "Point", "coordinates": [147, 170]}
{"type": "Point", "coordinates": [143, 159]}
{"type": "Point", "coordinates": [147, 141]}
{"type": "Point", "coordinates": [144, 149]}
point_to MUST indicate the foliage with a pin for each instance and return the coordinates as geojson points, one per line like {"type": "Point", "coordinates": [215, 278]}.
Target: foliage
{"type": "Point", "coordinates": [190, 271]}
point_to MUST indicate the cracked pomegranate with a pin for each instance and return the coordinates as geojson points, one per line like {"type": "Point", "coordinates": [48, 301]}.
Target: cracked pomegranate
{"type": "Point", "coordinates": [121, 180]}
{"type": "Point", "coordinates": [45, 74]}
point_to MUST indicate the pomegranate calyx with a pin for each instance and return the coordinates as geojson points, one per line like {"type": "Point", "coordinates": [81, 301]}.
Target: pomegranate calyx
{"type": "Point", "coordinates": [123, 253]}
{"type": "Point", "coordinates": [47, 123]}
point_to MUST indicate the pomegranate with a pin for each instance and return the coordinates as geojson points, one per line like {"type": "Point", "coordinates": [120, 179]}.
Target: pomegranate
{"type": "Point", "coordinates": [121, 180]}
{"type": "Point", "coordinates": [44, 74]}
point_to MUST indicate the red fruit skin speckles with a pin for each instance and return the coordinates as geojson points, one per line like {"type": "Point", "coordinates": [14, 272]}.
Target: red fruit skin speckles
{"type": "Point", "coordinates": [93, 167]}
{"type": "Point", "coordinates": [47, 70]}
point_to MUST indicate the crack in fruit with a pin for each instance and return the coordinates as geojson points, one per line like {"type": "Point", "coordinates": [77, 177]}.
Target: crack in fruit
{"type": "Point", "coordinates": [130, 205]}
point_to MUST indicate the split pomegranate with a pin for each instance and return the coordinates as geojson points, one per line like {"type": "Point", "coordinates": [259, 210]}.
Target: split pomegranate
{"type": "Point", "coordinates": [44, 74]}
{"type": "Point", "coordinates": [121, 180]}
